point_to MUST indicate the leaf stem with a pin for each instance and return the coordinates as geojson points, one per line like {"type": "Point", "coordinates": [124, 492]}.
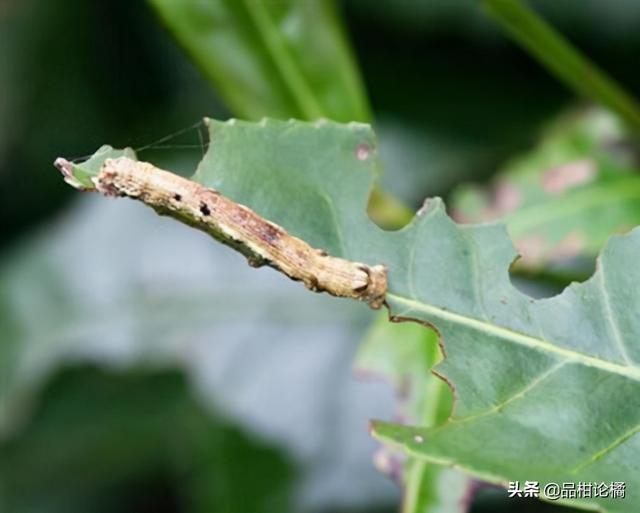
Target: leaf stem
{"type": "Point", "coordinates": [563, 59]}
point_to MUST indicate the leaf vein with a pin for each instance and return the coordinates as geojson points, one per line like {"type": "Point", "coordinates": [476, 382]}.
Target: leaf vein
{"type": "Point", "coordinates": [533, 384]}
{"type": "Point", "coordinates": [475, 280]}
{"type": "Point", "coordinates": [616, 443]}
{"type": "Point", "coordinates": [336, 224]}
{"type": "Point", "coordinates": [517, 337]}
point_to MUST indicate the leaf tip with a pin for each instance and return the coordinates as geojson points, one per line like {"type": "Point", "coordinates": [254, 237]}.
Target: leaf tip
{"type": "Point", "coordinates": [380, 429]}
{"type": "Point", "coordinates": [430, 205]}
{"type": "Point", "coordinates": [400, 435]}
{"type": "Point", "coordinates": [80, 175]}
{"type": "Point", "coordinates": [66, 168]}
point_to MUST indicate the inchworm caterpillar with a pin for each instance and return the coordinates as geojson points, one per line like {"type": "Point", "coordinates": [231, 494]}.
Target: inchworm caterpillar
{"type": "Point", "coordinates": [262, 242]}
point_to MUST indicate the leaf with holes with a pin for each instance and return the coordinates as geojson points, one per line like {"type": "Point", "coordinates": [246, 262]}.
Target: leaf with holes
{"type": "Point", "coordinates": [545, 390]}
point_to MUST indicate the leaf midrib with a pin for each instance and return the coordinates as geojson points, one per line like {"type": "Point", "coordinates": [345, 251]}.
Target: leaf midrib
{"type": "Point", "coordinates": [516, 337]}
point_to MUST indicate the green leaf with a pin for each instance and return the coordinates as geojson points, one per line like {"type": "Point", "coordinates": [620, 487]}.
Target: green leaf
{"type": "Point", "coordinates": [564, 198]}
{"type": "Point", "coordinates": [562, 59]}
{"type": "Point", "coordinates": [288, 58]}
{"type": "Point", "coordinates": [546, 390]}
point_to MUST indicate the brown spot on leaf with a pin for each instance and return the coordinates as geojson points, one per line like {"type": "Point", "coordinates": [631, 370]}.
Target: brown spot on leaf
{"type": "Point", "coordinates": [363, 151]}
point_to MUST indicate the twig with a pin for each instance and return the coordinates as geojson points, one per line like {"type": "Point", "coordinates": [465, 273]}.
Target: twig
{"type": "Point", "coordinates": [261, 241]}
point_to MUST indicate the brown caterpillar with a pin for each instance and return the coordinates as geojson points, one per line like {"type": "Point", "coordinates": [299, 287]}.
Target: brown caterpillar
{"type": "Point", "coordinates": [262, 242]}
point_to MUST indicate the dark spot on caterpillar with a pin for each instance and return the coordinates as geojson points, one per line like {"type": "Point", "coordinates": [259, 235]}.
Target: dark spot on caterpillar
{"type": "Point", "coordinates": [204, 209]}
{"type": "Point", "coordinates": [177, 197]}
{"type": "Point", "coordinates": [269, 233]}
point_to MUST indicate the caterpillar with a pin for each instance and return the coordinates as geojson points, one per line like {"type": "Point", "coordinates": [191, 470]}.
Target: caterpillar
{"type": "Point", "coordinates": [261, 241]}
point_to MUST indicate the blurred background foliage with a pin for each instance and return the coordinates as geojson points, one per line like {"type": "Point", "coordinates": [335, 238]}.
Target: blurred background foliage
{"type": "Point", "coordinates": [143, 368]}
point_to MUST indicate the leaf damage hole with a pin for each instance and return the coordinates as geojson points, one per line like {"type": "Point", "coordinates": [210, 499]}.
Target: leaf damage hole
{"type": "Point", "coordinates": [549, 280]}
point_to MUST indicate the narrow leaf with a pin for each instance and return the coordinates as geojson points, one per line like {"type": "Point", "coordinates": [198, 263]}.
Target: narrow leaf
{"type": "Point", "coordinates": [271, 58]}
{"type": "Point", "coordinates": [565, 61]}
